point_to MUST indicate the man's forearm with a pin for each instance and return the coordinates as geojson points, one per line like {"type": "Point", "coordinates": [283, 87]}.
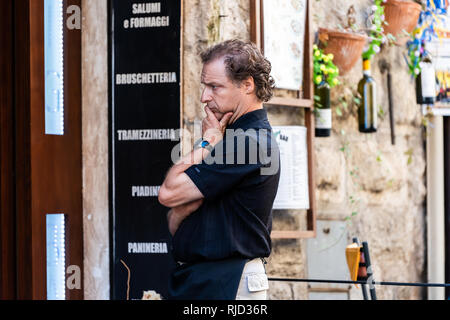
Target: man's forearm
{"type": "Point", "coordinates": [178, 188]}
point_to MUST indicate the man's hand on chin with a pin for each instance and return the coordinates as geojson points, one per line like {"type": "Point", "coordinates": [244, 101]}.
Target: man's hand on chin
{"type": "Point", "coordinates": [213, 129]}
{"type": "Point", "coordinates": [217, 114]}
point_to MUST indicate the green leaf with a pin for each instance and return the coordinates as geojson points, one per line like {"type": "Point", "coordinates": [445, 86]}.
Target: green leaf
{"type": "Point", "coordinates": [390, 182]}
{"type": "Point", "coordinates": [380, 111]}
{"type": "Point", "coordinates": [379, 157]}
{"type": "Point", "coordinates": [338, 111]}
{"type": "Point", "coordinates": [409, 153]}
{"type": "Point", "coordinates": [316, 112]}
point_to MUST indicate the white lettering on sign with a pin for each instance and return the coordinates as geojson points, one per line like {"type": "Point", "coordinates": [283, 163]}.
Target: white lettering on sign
{"type": "Point", "coordinates": [147, 134]}
{"type": "Point", "coordinates": [146, 22]}
{"type": "Point", "coordinates": [146, 78]}
{"type": "Point", "coordinates": [149, 7]}
{"type": "Point", "coordinates": [147, 247]}
{"type": "Point", "coordinates": [145, 191]}
{"type": "Point", "coordinates": [149, 22]}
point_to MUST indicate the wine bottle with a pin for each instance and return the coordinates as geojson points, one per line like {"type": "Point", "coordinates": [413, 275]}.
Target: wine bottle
{"type": "Point", "coordinates": [322, 110]}
{"type": "Point", "coordinates": [367, 112]}
{"type": "Point", "coordinates": [426, 82]}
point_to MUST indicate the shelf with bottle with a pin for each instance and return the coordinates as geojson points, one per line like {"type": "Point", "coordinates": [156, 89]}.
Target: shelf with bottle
{"type": "Point", "coordinates": [301, 98]}
{"type": "Point", "coordinates": [325, 77]}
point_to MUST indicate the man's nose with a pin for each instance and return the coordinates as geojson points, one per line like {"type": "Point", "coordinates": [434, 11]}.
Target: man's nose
{"type": "Point", "coordinates": [206, 97]}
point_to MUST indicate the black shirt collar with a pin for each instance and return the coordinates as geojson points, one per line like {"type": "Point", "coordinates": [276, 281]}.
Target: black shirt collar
{"type": "Point", "coordinates": [246, 119]}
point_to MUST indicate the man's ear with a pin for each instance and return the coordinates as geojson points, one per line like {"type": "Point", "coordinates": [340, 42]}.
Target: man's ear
{"type": "Point", "coordinates": [249, 85]}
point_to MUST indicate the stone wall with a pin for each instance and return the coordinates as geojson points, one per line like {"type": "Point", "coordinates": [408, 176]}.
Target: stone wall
{"type": "Point", "coordinates": [383, 185]}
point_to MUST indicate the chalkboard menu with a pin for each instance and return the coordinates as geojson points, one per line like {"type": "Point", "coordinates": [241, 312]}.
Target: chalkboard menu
{"type": "Point", "coordinates": [144, 110]}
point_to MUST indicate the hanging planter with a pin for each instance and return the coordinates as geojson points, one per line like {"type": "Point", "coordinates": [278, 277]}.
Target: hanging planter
{"type": "Point", "coordinates": [346, 47]}
{"type": "Point", "coordinates": [401, 15]}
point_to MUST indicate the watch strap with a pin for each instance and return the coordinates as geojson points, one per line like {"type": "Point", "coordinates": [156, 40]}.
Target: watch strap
{"type": "Point", "coordinates": [201, 143]}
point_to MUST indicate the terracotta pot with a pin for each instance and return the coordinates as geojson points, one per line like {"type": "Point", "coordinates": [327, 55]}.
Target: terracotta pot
{"type": "Point", "coordinates": [401, 15]}
{"type": "Point", "coordinates": [346, 47]}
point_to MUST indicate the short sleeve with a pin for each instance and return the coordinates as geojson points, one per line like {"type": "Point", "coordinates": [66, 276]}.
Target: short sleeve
{"type": "Point", "coordinates": [231, 161]}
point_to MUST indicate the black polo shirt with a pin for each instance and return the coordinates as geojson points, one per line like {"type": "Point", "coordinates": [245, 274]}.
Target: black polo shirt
{"type": "Point", "coordinates": [235, 219]}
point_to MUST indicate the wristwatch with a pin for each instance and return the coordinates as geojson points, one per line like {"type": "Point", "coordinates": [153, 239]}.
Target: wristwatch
{"type": "Point", "coordinates": [202, 143]}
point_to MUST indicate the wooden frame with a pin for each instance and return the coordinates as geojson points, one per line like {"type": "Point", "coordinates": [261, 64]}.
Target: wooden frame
{"type": "Point", "coordinates": [48, 167]}
{"type": "Point", "coordinates": [7, 220]}
{"type": "Point", "coordinates": [304, 100]}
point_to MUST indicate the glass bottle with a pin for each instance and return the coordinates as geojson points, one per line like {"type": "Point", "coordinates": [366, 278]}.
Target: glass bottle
{"type": "Point", "coordinates": [367, 112]}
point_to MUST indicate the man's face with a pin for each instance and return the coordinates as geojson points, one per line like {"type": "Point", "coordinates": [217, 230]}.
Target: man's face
{"type": "Point", "coordinates": [220, 94]}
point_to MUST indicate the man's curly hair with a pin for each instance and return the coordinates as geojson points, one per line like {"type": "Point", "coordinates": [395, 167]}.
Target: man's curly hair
{"type": "Point", "coordinates": [243, 60]}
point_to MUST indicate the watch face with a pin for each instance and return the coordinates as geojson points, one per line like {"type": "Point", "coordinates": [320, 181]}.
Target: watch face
{"type": "Point", "coordinates": [204, 144]}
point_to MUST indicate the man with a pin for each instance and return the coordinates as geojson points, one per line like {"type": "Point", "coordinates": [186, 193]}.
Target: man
{"type": "Point", "coordinates": [222, 193]}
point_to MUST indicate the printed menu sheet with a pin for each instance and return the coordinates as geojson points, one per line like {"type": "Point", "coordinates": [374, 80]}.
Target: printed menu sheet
{"type": "Point", "coordinates": [293, 187]}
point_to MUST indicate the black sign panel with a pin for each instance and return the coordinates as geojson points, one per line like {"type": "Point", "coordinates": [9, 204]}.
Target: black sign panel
{"type": "Point", "coordinates": [144, 118]}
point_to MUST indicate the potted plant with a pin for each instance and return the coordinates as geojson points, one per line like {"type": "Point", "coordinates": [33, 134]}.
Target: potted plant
{"type": "Point", "coordinates": [346, 45]}
{"type": "Point", "coordinates": [401, 17]}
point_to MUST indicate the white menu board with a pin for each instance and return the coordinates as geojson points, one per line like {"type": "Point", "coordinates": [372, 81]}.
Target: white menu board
{"type": "Point", "coordinates": [284, 35]}
{"type": "Point", "coordinates": [293, 187]}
